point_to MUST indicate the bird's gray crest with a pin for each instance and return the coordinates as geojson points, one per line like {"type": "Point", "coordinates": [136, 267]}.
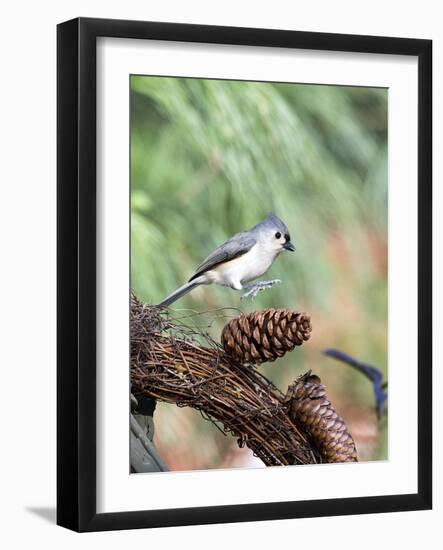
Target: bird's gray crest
{"type": "Point", "coordinates": [274, 222]}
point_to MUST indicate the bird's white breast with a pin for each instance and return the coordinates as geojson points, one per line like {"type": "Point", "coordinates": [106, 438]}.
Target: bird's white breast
{"type": "Point", "coordinates": [244, 268]}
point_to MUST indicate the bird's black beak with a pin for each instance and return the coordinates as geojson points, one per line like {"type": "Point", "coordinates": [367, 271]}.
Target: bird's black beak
{"type": "Point", "coordinates": [289, 246]}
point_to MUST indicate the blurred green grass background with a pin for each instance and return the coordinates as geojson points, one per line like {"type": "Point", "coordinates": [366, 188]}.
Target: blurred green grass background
{"type": "Point", "coordinates": [210, 158]}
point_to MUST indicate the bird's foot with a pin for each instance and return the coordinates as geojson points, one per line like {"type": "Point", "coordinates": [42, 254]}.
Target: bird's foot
{"type": "Point", "coordinates": [254, 289]}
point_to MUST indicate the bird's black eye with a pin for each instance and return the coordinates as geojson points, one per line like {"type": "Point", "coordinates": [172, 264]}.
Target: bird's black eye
{"type": "Point", "coordinates": [278, 235]}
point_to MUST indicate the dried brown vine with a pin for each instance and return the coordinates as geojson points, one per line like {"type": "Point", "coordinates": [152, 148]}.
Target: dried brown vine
{"type": "Point", "coordinates": [169, 363]}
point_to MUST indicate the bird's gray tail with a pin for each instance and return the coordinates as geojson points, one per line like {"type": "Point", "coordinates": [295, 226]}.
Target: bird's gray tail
{"type": "Point", "coordinates": [179, 293]}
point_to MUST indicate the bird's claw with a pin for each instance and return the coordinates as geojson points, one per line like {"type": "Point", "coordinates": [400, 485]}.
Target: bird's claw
{"type": "Point", "coordinates": [259, 287]}
{"type": "Point", "coordinates": [252, 293]}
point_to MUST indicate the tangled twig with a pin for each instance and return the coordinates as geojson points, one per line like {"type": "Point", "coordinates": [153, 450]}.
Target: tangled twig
{"type": "Point", "coordinates": [169, 364]}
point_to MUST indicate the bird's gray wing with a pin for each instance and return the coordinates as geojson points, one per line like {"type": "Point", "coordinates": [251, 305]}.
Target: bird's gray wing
{"type": "Point", "coordinates": [233, 248]}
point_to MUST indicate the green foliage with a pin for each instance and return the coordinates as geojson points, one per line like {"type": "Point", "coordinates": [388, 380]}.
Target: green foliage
{"type": "Point", "coordinates": [210, 158]}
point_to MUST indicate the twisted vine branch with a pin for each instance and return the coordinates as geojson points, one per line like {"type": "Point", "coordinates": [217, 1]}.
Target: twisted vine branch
{"type": "Point", "coordinates": [169, 364]}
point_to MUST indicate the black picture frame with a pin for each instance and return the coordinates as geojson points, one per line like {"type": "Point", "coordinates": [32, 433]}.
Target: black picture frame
{"type": "Point", "coordinates": [76, 266]}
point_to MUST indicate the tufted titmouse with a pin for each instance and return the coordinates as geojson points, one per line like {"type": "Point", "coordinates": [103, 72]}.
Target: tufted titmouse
{"type": "Point", "coordinates": [241, 259]}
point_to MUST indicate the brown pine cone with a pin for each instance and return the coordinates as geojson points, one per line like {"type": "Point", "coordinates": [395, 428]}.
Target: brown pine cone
{"type": "Point", "coordinates": [310, 408]}
{"type": "Point", "coordinates": [265, 335]}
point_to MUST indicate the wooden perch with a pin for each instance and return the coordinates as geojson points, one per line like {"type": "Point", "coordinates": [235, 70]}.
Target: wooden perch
{"type": "Point", "coordinates": [169, 363]}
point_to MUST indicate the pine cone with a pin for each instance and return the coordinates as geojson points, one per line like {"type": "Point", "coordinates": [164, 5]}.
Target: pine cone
{"type": "Point", "coordinates": [265, 335]}
{"type": "Point", "coordinates": [310, 408]}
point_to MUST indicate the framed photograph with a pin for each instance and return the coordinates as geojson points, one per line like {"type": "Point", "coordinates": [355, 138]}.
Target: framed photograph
{"type": "Point", "coordinates": [244, 274]}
